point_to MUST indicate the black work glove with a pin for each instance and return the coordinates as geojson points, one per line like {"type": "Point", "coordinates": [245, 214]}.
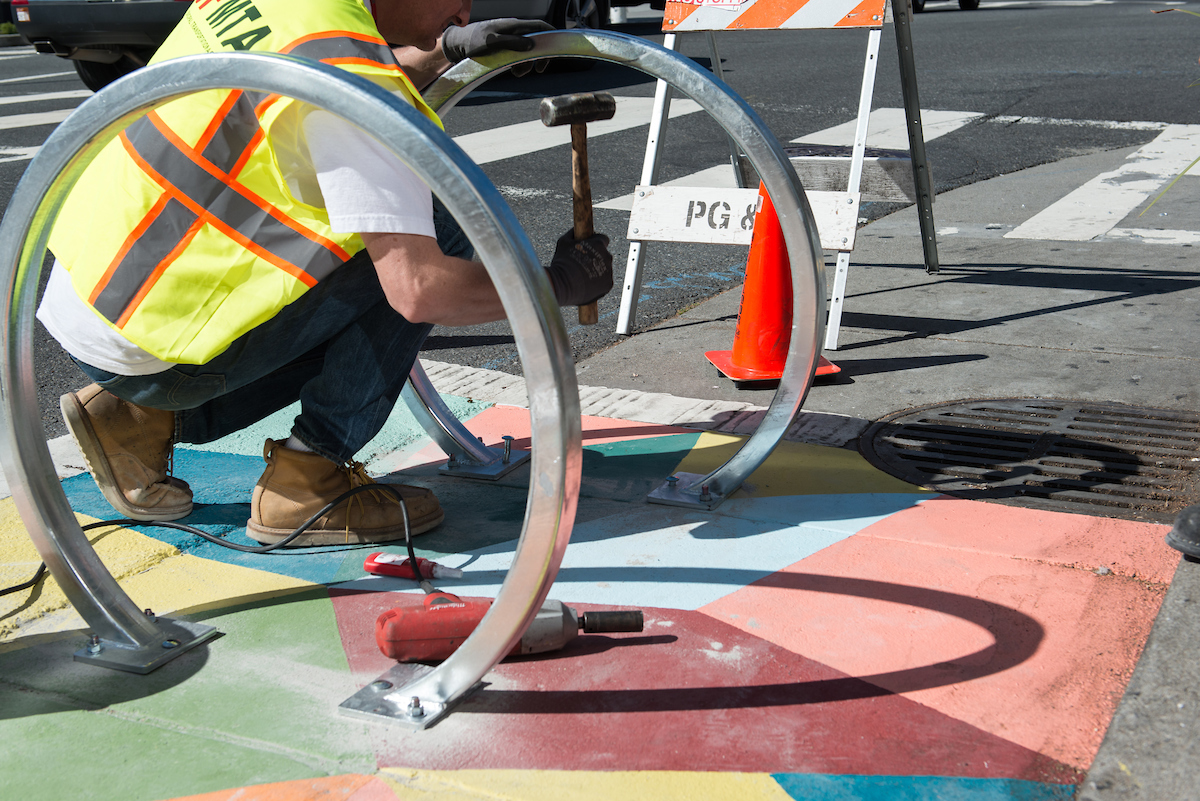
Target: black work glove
{"type": "Point", "coordinates": [581, 270]}
{"type": "Point", "coordinates": [490, 36]}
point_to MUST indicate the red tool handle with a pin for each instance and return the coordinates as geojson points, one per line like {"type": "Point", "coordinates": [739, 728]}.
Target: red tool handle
{"type": "Point", "coordinates": [428, 628]}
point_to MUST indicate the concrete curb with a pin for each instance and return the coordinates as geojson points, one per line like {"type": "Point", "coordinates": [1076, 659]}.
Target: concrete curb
{"type": "Point", "coordinates": [493, 386]}
{"type": "Point", "coordinates": [723, 417]}
{"type": "Point", "coordinates": [12, 40]}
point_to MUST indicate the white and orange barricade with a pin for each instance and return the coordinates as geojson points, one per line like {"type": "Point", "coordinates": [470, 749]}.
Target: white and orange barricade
{"type": "Point", "coordinates": [836, 179]}
{"type": "Point", "coordinates": [732, 15]}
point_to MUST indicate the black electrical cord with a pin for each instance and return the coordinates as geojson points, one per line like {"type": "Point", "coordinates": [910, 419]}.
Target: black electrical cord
{"type": "Point", "coordinates": [305, 526]}
{"type": "Point", "coordinates": [41, 571]}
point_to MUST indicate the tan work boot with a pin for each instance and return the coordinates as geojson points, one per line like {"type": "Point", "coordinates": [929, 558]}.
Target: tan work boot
{"type": "Point", "coordinates": [296, 485]}
{"type": "Point", "coordinates": [128, 452]}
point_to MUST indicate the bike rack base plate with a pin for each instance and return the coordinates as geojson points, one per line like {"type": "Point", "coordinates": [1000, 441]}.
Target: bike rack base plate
{"type": "Point", "coordinates": [491, 471]}
{"type": "Point", "coordinates": [684, 489]}
{"type": "Point", "coordinates": [380, 702]}
{"type": "Point", "coordinates": [178, 636]}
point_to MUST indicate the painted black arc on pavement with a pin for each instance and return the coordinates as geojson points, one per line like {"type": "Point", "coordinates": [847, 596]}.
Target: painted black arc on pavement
{"type": "Point", "coordinates": [1015, 635]}
{"type": "Point", "coordinates": [1104, 459]}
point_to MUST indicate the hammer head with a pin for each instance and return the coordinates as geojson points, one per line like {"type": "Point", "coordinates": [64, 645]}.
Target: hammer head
{"type": "Point", "coordinates": [582, 107]}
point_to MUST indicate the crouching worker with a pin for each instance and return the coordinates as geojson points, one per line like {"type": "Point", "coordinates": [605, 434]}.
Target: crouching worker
{"type": "Point", "coordinates": [234, 252]}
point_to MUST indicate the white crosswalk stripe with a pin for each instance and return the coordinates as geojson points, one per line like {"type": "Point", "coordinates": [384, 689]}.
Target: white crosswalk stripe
{"type": "Point", "coordinates": [34, 119]}
{"type": "Point", "coordinates": [887, 128]}
{"type": "Point", "coordinates": [1096, 208]}
{"type": "Point", "coordinates": [25, 78]}
{"type": "Point", "coordinates": [1093, 210]}
{"type": "Point", "coordinates": [8, 154]}
{"type": "Point", "coordinates": [73, 94]}
{"type": "Point", "coordinates": [524, 138]}
{"type": "Point", "coordinates": [484, 147]}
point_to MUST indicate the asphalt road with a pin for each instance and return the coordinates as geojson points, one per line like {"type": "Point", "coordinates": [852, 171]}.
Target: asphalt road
{"type": "Point", "coordinates": [1048, 79]}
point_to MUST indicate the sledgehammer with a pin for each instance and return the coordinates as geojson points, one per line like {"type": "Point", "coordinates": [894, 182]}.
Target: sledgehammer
{"type": "Point", "coordinates": [577, 110]}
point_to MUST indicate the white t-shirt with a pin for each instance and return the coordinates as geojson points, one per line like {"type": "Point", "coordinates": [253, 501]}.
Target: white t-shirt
{"type": "Point", "coordinates": [363, 186]}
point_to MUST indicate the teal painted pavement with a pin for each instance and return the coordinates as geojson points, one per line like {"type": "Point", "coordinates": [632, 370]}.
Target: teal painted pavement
{"type": "Point", "coordinates": [824, 787]}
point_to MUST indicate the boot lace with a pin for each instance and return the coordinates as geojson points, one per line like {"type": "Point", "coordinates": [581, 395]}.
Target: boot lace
{"type": "Point", "coordinates": [356, 472]}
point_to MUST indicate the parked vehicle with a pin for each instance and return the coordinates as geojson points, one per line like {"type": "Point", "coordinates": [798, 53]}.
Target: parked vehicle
{"type": "Point", "coordinates": [106, 39]}
{"type": "Point", "coordinates": [965, 5]}
{"type": "Point", "coordinates": [563, 14]}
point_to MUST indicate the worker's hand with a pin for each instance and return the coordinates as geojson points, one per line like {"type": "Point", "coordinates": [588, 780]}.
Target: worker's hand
{"type": "Point", "coordinates": [581, 270]}
{"type": "Point", "coordinates": [490, 36]}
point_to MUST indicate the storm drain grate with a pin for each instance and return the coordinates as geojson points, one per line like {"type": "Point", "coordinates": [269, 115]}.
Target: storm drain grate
{"type": "Point", "coordinates": [1096, 458]}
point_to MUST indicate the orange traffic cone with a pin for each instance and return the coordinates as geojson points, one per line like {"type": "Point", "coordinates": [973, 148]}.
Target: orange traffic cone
{"type": "Point", "coordinates": [764, 327]}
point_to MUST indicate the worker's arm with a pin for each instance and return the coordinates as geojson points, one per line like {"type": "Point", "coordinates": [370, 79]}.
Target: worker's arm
{"type": "Point", "coordinates": [421, 67]}
{"type": "Point", "coordinates": [468, 41]}
{"type": "Point", "coordinates": [427, 286]}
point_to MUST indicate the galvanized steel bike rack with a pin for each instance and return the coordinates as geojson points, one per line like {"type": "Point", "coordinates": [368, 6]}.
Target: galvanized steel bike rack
{"type": "Point", "coordinates": [468, 457]}
{"type": "Point", "coordinates": [747, 131]}
{"type": "Point", "coordinates": [128, 638]}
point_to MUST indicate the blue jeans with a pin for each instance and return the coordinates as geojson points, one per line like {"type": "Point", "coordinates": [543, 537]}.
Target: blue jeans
{"type": "Point", "coordinates": [339, 349]}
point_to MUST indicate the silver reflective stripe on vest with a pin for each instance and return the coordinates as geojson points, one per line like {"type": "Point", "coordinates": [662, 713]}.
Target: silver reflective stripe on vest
{"type": "Point", "coordinates": [151, 248]}
{"type": "Point", "coordinates": [235, 133]}
{"type": "Point", "coordinates": [229, 205]}
{"type": "Point", "coordinates": [341, 47]}
{"type": "Point", "coordinates": [229, 208]}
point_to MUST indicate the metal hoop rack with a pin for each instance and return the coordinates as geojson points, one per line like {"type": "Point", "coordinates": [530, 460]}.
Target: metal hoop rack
{"type": "Point", "coordinates": [132, 641]}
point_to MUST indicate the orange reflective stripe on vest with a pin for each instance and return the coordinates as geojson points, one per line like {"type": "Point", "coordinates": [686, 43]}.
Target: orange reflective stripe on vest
{"type": "Point", "coordinates": [208, 193]}
{"type": "Point", "coordinates": [202, 185]}
{"type": "Point", "coordinates": [343, 47]}
{"type": "Point", "coordinates": [207, 236]}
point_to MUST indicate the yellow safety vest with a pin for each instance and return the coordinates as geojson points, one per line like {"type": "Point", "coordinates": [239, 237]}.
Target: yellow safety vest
{"type": "Point", "coordinates": [183, 234]}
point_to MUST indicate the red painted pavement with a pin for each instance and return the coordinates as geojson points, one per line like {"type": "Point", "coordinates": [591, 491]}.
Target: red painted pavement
{"type": "Point", "coordinates": [493, 423]}
{"type": "Point", "coordinates": [690, 693]}
{"type": "Point", "coordinates": [1127, 548]}
{"type": "Point", "coordinates": [1025, 639]}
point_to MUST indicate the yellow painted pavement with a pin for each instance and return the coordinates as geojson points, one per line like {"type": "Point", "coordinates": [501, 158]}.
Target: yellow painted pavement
{"type": "Point", "coordinates": [795, 469]}
{"type": "Point", "coordinates": [555, 785]}
{"type": "Point", "coordinates": [155, 575]}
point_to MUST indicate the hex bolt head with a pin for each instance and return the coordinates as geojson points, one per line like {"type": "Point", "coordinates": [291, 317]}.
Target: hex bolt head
{"type": "Point", "coordinates": [704, 494]}
{"type": "Point", "coordinates": [150, 614]}
{"type": "Point", "coordinates": [94, 647]}
{"type": "Point", "coordinates": [672, 481]}
{"type": "Point", "coordinates": [415, 710]}
{"type": "Point", "coordinates": [169, 644]}
{"type": "Point", "coordinates": [381, 685]}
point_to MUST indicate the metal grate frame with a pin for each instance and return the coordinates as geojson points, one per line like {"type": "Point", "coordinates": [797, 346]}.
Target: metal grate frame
{"type": "Point", "coordinates": [1103, 458]}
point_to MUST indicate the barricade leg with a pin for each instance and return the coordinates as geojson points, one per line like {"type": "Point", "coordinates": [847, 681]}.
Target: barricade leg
{"type": "Point", "coordinates": [837, 300]}
{"type": "Point", "coordinates": [631, 286]}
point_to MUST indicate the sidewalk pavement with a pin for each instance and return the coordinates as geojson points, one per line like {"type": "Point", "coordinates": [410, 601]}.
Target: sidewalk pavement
{"type": "Point", "coordinates": [830, 632]}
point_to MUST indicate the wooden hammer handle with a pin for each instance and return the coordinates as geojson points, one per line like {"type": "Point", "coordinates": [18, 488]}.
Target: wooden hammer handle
{"type": "Point", "coordinates": [581, 187]}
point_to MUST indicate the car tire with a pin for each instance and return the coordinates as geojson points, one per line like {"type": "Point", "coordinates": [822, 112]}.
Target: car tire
{"type": "Point", "coordinates": [918, 6]}
{"type": "Point", "coordinates": [968, 5]}
{"type": "Point", "coordinates": [96, 76]}
{"type": "Point", "coordinates": [568, 14]}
